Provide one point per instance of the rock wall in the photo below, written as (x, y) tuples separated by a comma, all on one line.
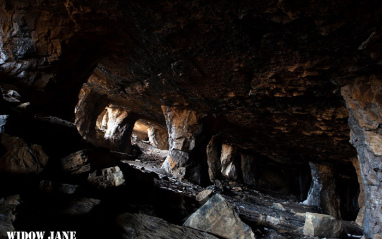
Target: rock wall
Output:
[(364, 101)]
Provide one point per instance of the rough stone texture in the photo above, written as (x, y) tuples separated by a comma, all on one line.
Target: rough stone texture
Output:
[(322, 225), (203, 196), (3, 122), (214, 149), (21, 157), (141, 226), (268, 71), (8, 214), (377, 236), (218, 217), (141, 130), (77, 163), (79, 206), (56, 187), (363, 99), (185, 135), (158, 137), (116, 125), (230, 162), (248, 169), (323, 190), (361, 196), (106, 178)]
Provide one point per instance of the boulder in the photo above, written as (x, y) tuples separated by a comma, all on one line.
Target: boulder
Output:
[(56, 187), (322, 225), (278, 206), (218, 217), (77, 163), (106, 178), (86, 160), (141, 226), (79, 206), (21, 157), (203, 196)]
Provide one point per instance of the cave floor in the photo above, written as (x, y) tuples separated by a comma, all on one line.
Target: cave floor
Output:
[(148, 189), (271, 215)]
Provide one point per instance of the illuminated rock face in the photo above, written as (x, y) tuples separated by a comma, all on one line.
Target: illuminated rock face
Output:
[(363, 99), (265, 76)]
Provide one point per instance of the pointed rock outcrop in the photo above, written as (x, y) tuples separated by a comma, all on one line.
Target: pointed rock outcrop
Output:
[(218, 217)]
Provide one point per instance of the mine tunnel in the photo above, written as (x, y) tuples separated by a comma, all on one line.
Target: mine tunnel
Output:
[(190, 119)]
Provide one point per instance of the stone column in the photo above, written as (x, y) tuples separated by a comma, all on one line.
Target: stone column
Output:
[(364, 101), (248, 169), (322, 192), (185, 130), (119, 127), (214, 148), (230, 162)]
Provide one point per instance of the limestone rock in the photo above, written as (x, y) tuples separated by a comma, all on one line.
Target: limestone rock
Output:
[(218, 217), (278, 206), (86, 160), (230, 163), (106, 178), (80, 206), (21, 157), (323, 190), (203, 196), (158, 137), (56, 187), (141, 226), (3, 122), (322, 225), (364, 104), (185, 136), (361, 196), (77, 163), (377, 236), (115, 124), (8, 214), (248, 169), (213, 157)]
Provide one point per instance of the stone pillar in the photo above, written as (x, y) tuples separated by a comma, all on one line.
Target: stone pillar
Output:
[(120, 125), (185, 130), (364, 102), (322, 192), (214, 148), (230, 162), (248, 169)]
